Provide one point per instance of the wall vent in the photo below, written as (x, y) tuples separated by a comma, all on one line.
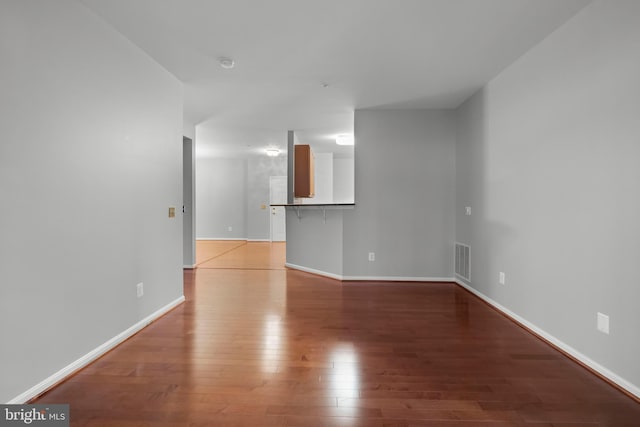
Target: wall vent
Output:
[(463, 261)]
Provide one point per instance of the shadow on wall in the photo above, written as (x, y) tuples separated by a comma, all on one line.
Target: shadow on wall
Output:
[(474, 182)]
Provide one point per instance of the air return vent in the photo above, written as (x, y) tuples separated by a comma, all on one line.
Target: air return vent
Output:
[(462, 260)]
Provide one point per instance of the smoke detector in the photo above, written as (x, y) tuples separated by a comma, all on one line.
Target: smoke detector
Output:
[(226, 62)]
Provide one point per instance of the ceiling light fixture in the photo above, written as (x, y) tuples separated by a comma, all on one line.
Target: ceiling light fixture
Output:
[(272, 152), (225, 62), (344, 139)]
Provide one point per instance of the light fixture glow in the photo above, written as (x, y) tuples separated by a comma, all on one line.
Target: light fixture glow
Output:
[(344, 139), (272, 152)]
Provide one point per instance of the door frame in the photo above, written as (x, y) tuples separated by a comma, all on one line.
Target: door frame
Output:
[(271, 215), (188, 204)]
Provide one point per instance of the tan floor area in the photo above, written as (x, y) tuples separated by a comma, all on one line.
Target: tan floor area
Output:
[(240, 254)]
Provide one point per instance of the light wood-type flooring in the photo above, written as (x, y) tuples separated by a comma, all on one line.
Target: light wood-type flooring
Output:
[(256, 344)]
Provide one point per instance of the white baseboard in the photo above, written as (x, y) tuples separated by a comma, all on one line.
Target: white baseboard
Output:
[(369, 278), (188, 267), (313, 271), (240, 239), (92, 355), (397, 279), (606, 373)]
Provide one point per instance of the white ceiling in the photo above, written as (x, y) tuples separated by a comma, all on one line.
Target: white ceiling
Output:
[(371, 53)]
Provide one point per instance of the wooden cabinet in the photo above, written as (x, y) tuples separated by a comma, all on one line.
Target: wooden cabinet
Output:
[(303, 170)]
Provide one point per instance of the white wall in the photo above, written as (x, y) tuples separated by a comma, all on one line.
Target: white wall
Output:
[(343, 180), (230, 192), (90, 161), (547, 157), (315, 240), (405, 195), (188, 129), (324, 178), (221, 201)]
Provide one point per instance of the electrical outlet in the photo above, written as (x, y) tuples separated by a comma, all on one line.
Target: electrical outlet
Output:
[(467, 210), (372, 256), (603, 323), (140, 289), (501, 278), (229, 228)]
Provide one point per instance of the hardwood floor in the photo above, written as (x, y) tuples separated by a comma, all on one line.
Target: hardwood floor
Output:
[(266, 346)]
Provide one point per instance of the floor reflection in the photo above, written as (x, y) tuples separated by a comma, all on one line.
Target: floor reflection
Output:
[(271, 342), (345, 380), (268, 347)]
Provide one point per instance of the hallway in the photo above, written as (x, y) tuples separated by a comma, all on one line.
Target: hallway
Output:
[(259, 345), (240, 254)]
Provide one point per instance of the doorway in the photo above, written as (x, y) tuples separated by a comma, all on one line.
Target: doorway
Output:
[(278, 196), (188, 196)]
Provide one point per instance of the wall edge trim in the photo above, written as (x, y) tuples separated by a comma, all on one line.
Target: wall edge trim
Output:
[(240, 239), (627, 387), (94, 354), (397, 279), (313, 271)]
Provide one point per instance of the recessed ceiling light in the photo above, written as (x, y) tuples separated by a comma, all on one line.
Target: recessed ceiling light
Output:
[(226, 62), (272, 152), (344, 139)]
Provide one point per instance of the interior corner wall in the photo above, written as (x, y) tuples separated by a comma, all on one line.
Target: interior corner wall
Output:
[(547, 157), (188, 129), (90, 161), (221, 201), (315, 240), (404, 195)]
